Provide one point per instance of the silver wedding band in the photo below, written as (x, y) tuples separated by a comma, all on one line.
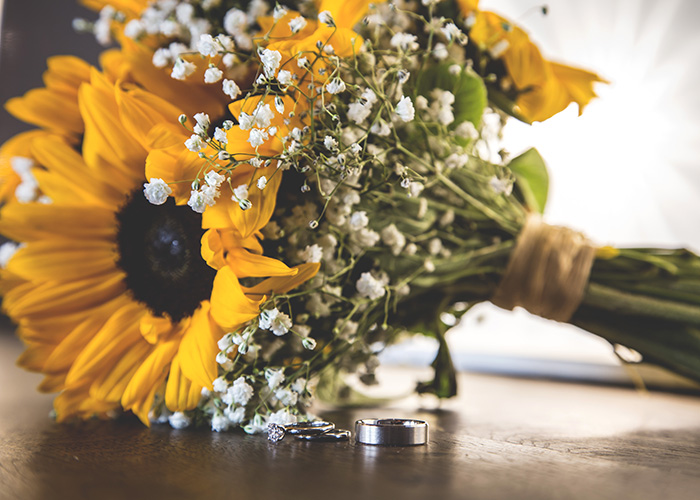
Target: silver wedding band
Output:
[(391, 431), (312, 428)]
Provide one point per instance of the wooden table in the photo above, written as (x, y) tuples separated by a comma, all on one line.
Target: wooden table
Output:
[(502, 438)]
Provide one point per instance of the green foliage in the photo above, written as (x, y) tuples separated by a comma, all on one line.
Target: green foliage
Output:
[(532, 179), (468, 88)]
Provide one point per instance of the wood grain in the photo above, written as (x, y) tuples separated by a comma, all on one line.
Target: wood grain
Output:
[(502, 438)]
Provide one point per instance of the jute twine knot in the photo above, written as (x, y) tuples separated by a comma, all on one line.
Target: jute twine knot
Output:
[(547, 272)]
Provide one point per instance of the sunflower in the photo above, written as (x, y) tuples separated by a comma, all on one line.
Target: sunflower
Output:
[(544, 88), (115, 297)]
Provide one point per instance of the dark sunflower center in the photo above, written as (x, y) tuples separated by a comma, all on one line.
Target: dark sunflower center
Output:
[(159, 250)]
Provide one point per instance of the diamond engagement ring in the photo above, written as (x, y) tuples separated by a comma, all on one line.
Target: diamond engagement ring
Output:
[(391, 431), (276, 432)]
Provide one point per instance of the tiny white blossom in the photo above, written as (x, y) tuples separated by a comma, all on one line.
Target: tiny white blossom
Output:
[(229, 60), (501, 186), (202, 120), (184, 12), (346, 328), (194, 143), (434, 246), (404, 41), (220, 384), (279, 104), (286, 397), (308, 343), (467, 130), (220, 135), (326, 18), (134, 29), (179, 420), (335, 86), (235, 21), (226, 42), (355, 148), (302, 62), (330, 143), (405, 110), (214, 179), (213, 75), (368, 286), (415, 189), (451, 32), (161, 58), (440, 51), (358, 220), (7, 250), (274, 377), (262, 182), (282, 417), (182, 69), (279, 12), (281, 324), (266, 317), (223, 360), (241, 391), (236, 416), (197, 201), (312, 253), (257, 137), (231, 89), (299, 385), (240, 192), (219, 423), (207, 46), (284, 77), (257, 425), (393, 238), (156, 191), (380, 128), (297, 24), (271, 61)]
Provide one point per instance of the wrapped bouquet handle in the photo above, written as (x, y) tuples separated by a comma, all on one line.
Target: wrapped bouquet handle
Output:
[(547, 272)]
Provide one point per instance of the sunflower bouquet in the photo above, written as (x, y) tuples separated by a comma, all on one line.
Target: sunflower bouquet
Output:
[(249, 198)]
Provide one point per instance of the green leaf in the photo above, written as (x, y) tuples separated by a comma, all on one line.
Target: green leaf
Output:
[(468, 88), (531, 179)]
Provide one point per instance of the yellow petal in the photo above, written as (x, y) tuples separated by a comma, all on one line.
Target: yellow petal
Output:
[(181, 394), (77, 402), (45, 108), (140, 111), (138, 395), (283, 284), (63, 260), (65, 74), (30, 222), (246, 264), (110, 386), (198, 349), (229, 305), (103, 351), (106, 143), (50, 299)]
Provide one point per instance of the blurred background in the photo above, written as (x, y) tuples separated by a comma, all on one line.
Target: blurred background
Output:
[(626, 172)]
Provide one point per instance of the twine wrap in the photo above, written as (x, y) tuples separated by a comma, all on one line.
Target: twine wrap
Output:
[(547, 272)]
